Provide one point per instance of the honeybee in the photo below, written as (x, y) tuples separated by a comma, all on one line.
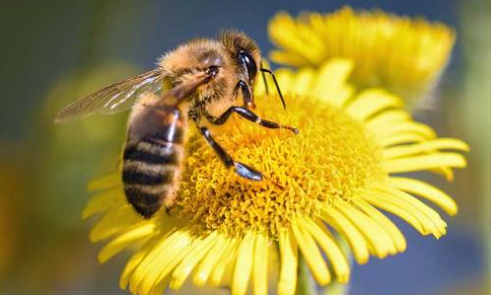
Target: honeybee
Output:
[(200, 80)]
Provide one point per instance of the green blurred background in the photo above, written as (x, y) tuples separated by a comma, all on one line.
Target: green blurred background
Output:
[(53, 52)]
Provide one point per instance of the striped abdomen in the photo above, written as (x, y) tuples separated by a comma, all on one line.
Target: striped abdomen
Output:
[(152, 160)]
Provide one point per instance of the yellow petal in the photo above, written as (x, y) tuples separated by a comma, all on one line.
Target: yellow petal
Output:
[(243, 265), (386, 118), (205, 267), (287, 284), (427, 191), (377, 237), (135, 260), (353, 236), (424, 162), (286, 58), (390, 227), (405, 128), (159, 287), (103, 201), (400, 139), (113, 222), (176, 255), (334, 73), (169, 249), (283, 36), (105, 182), (423, 219), (126, 239), (303, 81), (336, 257), (182, 271), (427, 146), (218, 271), (285, 78), (260, 270), (371, 101), (447, 172), (378, 200), (330, 82), (437, 226), (311, 253)]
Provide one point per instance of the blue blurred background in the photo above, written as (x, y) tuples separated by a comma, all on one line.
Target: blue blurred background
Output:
[(53, 52)]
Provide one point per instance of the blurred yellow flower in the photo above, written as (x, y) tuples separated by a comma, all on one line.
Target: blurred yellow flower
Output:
[(335, 176), (404, 55)]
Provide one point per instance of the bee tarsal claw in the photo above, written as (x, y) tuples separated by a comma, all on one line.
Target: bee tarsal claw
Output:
[(292, 129), (248, 172)]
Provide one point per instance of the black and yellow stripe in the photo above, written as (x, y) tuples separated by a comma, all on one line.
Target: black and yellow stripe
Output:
[(151, 165)]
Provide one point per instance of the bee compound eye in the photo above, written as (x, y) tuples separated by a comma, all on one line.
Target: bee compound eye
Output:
[(246, 59)]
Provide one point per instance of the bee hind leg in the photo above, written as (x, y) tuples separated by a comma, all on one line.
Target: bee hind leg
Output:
[(241, 169)]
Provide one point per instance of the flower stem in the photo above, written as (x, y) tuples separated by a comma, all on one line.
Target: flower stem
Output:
[(306, 285), (335, 289)]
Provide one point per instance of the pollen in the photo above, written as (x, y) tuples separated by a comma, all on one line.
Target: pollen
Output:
[(330, 159)]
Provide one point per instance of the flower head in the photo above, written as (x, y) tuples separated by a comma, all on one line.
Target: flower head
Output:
[(334, 178), (404, 55)]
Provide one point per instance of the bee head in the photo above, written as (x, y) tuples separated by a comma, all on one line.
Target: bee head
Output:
[(195, 58), (244, 52)]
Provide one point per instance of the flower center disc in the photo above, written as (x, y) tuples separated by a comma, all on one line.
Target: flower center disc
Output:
[(331, 158)]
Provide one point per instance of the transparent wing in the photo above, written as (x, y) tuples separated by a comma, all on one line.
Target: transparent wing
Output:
[(113, 99), (148, 121)]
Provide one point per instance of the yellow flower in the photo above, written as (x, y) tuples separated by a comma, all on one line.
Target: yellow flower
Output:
[(334, 178), (403, 55)]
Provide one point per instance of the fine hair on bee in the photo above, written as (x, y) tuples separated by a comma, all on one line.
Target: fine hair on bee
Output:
[(203, 81)]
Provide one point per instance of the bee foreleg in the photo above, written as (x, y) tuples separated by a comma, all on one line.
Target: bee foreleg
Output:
[(251, 116), (246, 94), (241, 169)]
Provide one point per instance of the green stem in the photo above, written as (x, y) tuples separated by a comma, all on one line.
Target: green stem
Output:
[(306, 285), (335, 288)]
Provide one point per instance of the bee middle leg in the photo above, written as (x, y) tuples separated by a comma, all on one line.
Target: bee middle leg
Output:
[(241, 169), (251, 116)]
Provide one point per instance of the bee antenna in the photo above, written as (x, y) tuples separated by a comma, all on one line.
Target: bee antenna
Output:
[(263, 70), (266, 86)]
